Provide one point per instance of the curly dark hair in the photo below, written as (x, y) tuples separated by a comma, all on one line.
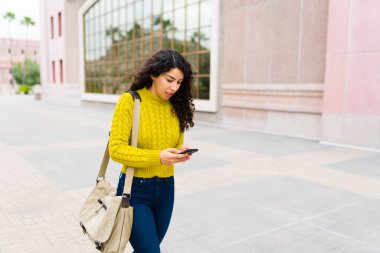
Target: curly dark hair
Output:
[(161, 62)]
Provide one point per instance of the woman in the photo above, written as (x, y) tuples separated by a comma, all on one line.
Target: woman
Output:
[(164, 84)]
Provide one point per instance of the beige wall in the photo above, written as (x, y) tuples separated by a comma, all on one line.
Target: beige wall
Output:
[(273, 65)]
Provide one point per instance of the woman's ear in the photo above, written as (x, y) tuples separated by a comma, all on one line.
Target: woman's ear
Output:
[(153, 77)]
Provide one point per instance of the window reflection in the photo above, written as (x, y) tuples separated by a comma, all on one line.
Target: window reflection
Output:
[(193, 59), (120, 35), (115, 18), (192, 16), (167, 21), (205, 10), (138, 10), (204, 63), (167, 5), (147, 26), (204, 38), (108, 5), (157, 7), (192, 1), (179, 41), (157, 22), (192, 40), (130, 16), (179, 19), (204, 88), (147, 47), (108, 19), (147, 8), (156, 44), (166, 41), (179, 3)]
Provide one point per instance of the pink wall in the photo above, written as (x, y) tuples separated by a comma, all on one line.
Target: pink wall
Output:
[(352, 80)]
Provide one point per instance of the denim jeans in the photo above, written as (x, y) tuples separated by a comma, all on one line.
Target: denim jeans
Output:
[(152, 200)]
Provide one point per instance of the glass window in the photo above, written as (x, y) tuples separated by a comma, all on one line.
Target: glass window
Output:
[(139, 49), (204, 88), (204, 63), (195, 87), (167, 21), (166, 40), (130, 16), (102, 23), (122, 16), (88, 27), (120, 35), (192, 40), (179, 19), (157, 22), (115, 5), (192, 1), (123, 3), (147, 47), (179, 3), (96, 10), (157, 7), (192, 16), (102, 6), (129, 34), (130, 50), (138, 10), (167, 5), (137, 30), (204, 38), (115, 19), (96, 53), (205, 10), (147, 26), (87, 44), (147, 8), (88, 56), (179, 41), (156, 43), (108, 21), (193, 59), (108, 5)]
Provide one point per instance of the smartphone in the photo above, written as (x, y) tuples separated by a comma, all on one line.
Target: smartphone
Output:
[(189, 151)]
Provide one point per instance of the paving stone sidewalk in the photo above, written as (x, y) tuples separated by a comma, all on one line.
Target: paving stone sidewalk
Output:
[(243, 192)]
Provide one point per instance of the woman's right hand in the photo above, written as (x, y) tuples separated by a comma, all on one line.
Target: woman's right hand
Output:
[(170, 156)]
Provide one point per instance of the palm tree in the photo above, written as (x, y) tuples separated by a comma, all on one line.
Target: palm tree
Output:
[(10, 16), (27, 21)]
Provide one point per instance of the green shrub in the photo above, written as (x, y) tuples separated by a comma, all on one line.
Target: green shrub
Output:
[(24, 89)]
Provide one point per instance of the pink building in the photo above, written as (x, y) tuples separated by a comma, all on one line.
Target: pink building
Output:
[(290, 67), (15, 50), (351, 104)]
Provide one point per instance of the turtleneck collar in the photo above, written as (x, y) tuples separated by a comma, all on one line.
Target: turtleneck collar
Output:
[(153, 97)]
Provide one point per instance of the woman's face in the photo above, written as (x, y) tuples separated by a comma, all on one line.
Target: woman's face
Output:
[(166, 84)]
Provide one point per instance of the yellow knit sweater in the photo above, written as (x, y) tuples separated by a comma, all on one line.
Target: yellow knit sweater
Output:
[(159, 129)]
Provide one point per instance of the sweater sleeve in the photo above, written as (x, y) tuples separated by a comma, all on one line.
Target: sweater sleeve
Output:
[(119, 148), (180, 140)]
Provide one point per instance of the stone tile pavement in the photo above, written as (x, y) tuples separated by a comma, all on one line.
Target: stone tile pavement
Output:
[(243, 192)]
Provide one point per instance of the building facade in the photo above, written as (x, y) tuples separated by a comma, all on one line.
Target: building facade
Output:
[(289, 67), (15, 51)]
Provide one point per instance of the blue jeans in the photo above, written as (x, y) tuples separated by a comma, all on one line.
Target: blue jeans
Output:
[(152, 200)]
